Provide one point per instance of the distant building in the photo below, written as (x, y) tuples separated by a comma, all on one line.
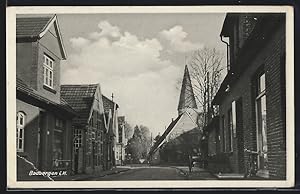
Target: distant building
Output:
[(251, 98), (111, 113), (187, 120), (121, 142), (44, 128), (89, 127)]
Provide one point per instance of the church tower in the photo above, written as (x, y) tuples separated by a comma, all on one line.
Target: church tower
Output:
[(187, 98)]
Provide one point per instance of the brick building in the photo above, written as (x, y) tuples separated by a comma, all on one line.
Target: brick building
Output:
[(89, 127), (251, 98), (43, 116), (111, 113)]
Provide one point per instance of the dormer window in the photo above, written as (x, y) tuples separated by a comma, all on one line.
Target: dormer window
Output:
[(48, 71)]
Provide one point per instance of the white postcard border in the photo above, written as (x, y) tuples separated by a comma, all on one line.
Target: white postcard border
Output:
[(11, 97)]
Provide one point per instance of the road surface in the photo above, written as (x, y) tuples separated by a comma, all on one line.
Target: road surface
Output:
[(145, 173)]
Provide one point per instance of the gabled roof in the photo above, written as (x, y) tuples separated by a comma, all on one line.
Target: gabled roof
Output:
[(165, 134), (80, 98), (187, 97), (33, 28), (108, 104), (24, 91)]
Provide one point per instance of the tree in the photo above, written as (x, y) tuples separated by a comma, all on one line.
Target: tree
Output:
[(139, 144), (206, 69), (146, 140), (128, 130)]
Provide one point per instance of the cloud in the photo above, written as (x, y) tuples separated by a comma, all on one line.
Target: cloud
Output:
[(143, 83), (176, 38), (79, 42), (106, 30)]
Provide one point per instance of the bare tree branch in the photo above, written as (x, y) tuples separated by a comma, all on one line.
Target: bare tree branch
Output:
[(202, 62)]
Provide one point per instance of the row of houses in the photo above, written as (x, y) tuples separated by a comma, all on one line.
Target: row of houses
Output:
[(74, 128), (250, 124)]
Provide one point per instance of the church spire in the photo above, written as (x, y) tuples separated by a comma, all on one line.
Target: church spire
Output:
[(187, 98)]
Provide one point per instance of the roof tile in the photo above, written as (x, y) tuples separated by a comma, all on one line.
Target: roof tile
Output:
[(80, 98), (31, 26), (22, 87)]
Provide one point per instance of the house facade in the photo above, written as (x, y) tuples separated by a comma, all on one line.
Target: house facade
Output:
[(121, 141), (111, 113), (89, 128), (43, 116), (251, 98)]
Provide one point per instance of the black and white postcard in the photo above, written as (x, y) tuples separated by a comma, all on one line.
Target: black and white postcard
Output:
[(150, 97)]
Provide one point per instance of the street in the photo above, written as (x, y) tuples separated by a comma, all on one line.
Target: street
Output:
[(145, 173)]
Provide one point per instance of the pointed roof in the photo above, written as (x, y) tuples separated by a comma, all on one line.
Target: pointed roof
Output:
[(36, 27), (108, 104), (187, 97)]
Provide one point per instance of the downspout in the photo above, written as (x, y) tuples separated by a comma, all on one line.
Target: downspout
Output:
[(227, 52)]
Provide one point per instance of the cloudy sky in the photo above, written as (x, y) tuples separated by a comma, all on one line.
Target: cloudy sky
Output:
[(138, 57)]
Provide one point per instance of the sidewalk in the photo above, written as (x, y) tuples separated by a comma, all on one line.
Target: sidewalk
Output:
[(202, 174), (82, 177), (196, 174)]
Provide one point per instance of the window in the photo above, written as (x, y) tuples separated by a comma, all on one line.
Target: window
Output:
[(77, 138), (117, 156), (20, 131), (230, 131), (48, 71), (261, 124)]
